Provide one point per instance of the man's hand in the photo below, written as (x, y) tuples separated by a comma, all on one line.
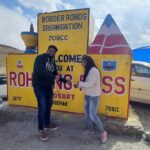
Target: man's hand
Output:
[(68, 81)]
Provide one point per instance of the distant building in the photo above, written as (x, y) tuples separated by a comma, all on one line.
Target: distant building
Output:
[(141, 54)]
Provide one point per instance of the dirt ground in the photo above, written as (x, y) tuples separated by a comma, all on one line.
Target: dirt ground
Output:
[(18, 131)]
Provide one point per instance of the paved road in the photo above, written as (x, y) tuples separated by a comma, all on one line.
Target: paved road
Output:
[(18, 132), (143, 111)]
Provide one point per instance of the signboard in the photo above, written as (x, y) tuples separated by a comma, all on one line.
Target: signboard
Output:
[(19, 83), (20, 91), (69, 31), (111, 45), (114, 84)]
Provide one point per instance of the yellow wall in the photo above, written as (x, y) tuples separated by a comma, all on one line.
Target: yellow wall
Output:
[(113, 102), (74, 38), (67, 98), (19, 76), (115, 85)]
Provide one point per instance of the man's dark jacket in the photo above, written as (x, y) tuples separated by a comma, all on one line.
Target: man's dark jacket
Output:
[(44, 71)]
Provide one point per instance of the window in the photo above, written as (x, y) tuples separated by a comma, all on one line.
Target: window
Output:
[(141, 70)]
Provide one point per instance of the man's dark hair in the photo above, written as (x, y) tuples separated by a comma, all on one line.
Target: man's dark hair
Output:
[(89, 64), (53, 46)]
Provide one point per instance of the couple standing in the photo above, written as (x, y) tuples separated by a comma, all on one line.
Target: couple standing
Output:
[(44, 76)]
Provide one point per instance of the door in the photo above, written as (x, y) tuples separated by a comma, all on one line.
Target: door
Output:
[(140, 83)]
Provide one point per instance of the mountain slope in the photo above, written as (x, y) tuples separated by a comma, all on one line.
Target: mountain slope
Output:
[(4, 50)]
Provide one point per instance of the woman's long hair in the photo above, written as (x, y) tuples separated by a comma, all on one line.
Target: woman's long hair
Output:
[(89, 64)]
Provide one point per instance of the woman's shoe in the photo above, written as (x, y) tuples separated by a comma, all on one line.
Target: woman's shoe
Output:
[(103, 137)]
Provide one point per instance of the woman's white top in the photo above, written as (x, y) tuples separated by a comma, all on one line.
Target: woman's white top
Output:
[(91, 86)]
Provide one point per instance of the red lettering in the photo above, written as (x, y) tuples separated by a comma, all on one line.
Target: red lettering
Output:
[(28, 79), (21, 79), (13, 77), (106, 81), (62, 85), (122, 86), (68, 86), (68, 96), (59, 84), (116, 85), (63, 96)]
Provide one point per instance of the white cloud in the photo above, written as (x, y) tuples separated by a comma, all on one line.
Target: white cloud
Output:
[(45, 5), (68, 6), (42, 5), (131, 16), (18, 9), (14, 22), (11, 27), (145, 37)]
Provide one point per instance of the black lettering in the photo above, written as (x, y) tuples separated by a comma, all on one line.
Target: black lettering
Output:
[(59, 68), (58, 37), (16, 98), (56, 102), (84, 16), (57, 18), (73, 17), (58, 27), (111, 108), (70, 58), (69, 68)]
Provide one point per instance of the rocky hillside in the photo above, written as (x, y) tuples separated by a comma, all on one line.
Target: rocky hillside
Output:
[(4, 50)]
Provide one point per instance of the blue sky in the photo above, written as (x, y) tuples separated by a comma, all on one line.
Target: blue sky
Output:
[(131, 16)]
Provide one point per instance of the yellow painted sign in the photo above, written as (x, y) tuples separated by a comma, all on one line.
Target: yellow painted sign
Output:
[(20, 91), (19, 75), (69, 31), (115, 80), (114, 85)]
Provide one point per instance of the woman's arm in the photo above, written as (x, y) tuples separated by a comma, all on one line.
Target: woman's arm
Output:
[(93, 74)]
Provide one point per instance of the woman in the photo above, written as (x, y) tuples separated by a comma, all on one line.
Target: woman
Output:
[(91, 87)]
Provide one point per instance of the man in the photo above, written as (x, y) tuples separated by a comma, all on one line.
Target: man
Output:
[(43, 79)]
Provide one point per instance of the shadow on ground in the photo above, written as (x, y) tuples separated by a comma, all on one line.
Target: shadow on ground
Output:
[(18, 130)]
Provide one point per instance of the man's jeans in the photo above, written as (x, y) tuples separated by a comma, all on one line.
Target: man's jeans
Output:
[(90, 110), (44, 97)]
